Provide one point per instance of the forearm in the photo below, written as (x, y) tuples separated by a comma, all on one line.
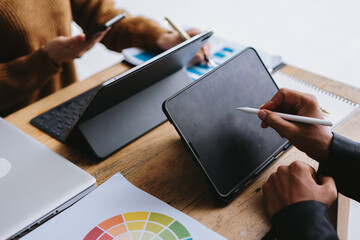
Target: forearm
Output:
[(343, 165), (22, 76), (305, 220), (134, 32), (129, 32)]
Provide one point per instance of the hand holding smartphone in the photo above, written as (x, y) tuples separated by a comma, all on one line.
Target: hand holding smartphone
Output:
[(103, 27)]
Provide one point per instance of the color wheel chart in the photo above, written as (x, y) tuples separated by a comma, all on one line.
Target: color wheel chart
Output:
[(139, 226)]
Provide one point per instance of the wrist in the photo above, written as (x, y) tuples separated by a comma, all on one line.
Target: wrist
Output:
[(51, 59), (165, 40), (324, 146), (47, 49)]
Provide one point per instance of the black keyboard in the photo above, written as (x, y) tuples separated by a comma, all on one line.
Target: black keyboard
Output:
[(57, 122)]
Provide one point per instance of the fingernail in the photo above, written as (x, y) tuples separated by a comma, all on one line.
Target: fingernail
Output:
[(262, 115)]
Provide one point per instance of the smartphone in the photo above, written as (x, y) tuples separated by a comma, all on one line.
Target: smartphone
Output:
[(103, 27)]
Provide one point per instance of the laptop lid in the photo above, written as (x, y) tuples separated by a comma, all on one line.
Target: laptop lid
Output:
[(129, 105), (35, 182), (230, 146)]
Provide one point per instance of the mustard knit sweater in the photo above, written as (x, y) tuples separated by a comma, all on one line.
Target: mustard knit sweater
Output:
[(26, 72)]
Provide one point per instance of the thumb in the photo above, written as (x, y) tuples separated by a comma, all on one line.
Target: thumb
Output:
[(329, 186), (73, 42), (192, 32), (327, 181), (273, 120)]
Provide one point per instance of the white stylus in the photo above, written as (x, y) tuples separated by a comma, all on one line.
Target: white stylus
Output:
[(291, 117)]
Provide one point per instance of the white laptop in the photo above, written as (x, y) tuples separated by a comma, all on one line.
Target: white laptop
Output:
[(35, 182)]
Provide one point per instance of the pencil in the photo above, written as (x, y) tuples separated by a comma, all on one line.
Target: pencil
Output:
[(324, 111), (186, 36), (290, 117)]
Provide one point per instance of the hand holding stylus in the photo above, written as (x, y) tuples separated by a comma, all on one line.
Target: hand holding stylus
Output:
[(291, 117), (313, 139), (185, 36)]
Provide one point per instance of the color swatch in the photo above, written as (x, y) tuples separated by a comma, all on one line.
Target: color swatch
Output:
[(139, 226)]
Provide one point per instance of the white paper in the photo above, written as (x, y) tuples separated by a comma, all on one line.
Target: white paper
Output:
[(137, 56), (339, 108), (115, 197), (220, 51)]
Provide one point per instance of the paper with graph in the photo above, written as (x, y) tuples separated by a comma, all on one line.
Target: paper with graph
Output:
[(119, 210), (221, 50)]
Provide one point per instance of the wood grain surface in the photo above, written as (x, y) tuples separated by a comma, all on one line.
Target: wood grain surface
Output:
[(159, 164)]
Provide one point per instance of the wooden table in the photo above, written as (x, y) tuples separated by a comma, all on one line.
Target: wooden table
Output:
[(159, 164)]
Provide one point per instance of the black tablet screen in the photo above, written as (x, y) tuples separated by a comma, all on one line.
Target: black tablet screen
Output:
[(230, 145)]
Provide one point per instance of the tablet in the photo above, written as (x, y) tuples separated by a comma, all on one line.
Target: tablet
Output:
[(125, 107), (229, 145)]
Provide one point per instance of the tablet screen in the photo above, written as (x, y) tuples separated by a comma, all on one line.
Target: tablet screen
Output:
[(229, 144)]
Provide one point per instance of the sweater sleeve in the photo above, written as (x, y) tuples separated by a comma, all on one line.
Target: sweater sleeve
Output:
[(21, 77), (343, 165), (129, 32), (307, 220)]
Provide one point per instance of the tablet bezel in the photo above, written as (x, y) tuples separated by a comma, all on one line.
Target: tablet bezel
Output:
[(255, 173)]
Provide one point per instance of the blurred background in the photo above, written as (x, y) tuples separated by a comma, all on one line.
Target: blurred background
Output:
[(321, 36)]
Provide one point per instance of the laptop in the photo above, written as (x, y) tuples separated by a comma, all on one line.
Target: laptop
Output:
[(35, 182), (125, 107), (230, 146)]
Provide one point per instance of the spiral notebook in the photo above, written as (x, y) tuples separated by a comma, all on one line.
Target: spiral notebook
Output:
[(339, 109)]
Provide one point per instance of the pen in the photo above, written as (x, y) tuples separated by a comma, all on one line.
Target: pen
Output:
[(324, 111), (291, 117), (186, 36)]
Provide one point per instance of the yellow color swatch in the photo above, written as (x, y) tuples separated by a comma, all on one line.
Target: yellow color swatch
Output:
[(133, 226), (136, 216)]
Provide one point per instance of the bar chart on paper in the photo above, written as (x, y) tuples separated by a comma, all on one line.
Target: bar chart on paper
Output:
[(221, 51), (220, 56), (137, 56), (139, 225)]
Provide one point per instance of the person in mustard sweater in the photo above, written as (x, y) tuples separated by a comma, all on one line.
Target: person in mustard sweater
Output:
[(37, 50)]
